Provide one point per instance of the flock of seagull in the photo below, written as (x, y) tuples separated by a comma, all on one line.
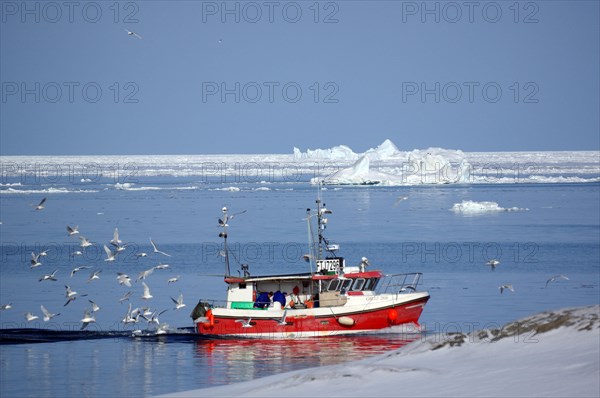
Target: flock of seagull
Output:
[(117, 246), (494, 263)]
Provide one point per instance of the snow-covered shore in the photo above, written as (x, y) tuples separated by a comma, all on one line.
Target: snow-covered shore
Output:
[(553, 354)]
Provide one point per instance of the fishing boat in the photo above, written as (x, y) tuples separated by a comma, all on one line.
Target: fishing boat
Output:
[(334, 298)]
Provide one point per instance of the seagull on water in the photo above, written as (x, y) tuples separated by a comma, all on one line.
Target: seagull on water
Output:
[(30, 317), (245, 322), (509, 287), (155, 249), (146, 295), (6, 306), (124, 279), (47, 314), (40, 206), (493, 263), (50, 277), (179, 302), (94, 275), (162, 266), (131, 33), (142, 254), (554, 278), (72, 230), (173, 279), (95, 307), (87, 319), (76, 253), (77, 269), (110, 256)]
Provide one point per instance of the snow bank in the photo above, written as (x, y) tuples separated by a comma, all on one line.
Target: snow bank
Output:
[(550, 354), (472, 207)]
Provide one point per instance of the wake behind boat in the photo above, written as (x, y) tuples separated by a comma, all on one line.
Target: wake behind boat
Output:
[(333, 299)]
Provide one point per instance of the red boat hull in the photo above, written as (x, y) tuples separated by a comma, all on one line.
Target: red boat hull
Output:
[(300, 323)]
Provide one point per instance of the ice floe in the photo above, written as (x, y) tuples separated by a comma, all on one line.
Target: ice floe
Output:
[(472, 207)]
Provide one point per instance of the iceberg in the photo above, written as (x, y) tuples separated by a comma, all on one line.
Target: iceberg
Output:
[(429, 166)]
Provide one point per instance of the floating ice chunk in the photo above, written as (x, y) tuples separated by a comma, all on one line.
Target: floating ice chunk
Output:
[(123, 186), (472, 207), (230, 189)]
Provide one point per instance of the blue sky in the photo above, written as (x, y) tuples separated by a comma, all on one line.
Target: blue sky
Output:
[(263, 77)]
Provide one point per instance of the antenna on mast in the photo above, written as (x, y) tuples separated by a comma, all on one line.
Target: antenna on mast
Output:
[(223, 234)]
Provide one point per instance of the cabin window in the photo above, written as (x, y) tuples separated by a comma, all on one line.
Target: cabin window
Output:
[(358, 284), (371, 284), (334, 285), (242, 285), (346, 285)]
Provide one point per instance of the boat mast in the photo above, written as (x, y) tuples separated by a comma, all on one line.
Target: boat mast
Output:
[(223, 234)]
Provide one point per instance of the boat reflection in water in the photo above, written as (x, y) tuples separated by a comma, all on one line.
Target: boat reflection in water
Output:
[(233, 360)]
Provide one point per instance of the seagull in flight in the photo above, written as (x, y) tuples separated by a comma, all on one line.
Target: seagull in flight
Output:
[(47, 314), (6, 306), (509, 287), (94, 275), (124, 279), (95, 307), (87, 319), (173, 279), (125, 298), (84, 241), (72, 230), (35, 260), (110, 256), (30, 317), (179, 302), (245, 322), (146, 295), (493, 263), (142, 254), (131, 33), (162, 266), (282, 321), (50, 277), (115, 240), (154, 317), (40, 206), (71, 295), (155, 249), (77, 269), (76, 253), (144, 274), (226, 217), (554, 278)]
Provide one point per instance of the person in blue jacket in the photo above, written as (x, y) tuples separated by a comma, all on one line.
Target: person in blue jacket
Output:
[(279, 297), (262, 301)]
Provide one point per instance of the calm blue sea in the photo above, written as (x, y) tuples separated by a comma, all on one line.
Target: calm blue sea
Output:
[(559, 233)]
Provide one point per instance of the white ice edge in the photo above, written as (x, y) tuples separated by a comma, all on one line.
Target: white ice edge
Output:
[(562, 362)]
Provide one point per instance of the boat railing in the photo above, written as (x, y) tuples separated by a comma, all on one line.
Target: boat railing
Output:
[(399, 283)]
